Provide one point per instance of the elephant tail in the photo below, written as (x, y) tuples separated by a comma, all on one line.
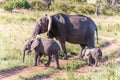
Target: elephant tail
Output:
[(97, 35), (93, 25), (23, 55)]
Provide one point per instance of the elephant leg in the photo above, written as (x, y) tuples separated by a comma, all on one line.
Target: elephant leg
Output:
[(89, 60), (39, 60), (62, 43), (82, 48), (48, 62), (96, 62), (56, 59), (35, 59)]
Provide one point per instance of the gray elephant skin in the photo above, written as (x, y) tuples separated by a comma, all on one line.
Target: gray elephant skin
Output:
[(76, 29), (92, 53), (42, 46)]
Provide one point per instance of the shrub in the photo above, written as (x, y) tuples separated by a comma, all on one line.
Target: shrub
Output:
[(109, 10), (38, 5), (21, 4), (78, 0), (8, 6), (60, 6), (85, 9)]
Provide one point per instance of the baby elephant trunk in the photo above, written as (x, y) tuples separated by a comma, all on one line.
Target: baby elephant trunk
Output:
[(23, 55)]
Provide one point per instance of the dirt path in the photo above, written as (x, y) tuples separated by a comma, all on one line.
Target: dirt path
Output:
[(10, 75)]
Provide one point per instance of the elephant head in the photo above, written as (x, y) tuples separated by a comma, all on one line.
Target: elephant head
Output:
[(42, 25), (31, 44), (46, 24)]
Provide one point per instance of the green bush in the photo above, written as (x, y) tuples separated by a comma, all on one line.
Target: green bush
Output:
[(59, 6), (109, 10), (21, 4), (85, 9), (38, 5), (8, 6), (78, 0)]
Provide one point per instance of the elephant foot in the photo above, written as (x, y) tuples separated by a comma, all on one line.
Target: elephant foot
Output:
[(65, 58), (46, 65), (96, 65), (35, 65), (88, 64), (40, 61), (57, 68)]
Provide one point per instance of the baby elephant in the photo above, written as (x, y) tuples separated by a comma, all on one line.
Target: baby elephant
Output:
[(43, 46), (93, 54)]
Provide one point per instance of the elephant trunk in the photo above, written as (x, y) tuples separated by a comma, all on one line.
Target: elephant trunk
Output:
[(23, 55), (34, 33)]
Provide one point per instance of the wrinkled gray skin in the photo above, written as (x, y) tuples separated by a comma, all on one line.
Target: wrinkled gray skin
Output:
[(92, 53), (76, 29), (43, 46)]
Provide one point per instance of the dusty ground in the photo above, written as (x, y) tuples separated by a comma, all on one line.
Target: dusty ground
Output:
[(11, 74)]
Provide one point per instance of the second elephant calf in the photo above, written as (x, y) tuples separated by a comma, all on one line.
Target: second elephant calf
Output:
[(93, 54)]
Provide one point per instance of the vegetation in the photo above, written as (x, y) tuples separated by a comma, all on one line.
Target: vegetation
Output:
[(72, 65), (17, 26), (108, 72), (66, 6)]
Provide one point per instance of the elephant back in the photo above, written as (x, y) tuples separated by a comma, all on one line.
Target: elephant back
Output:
[(49, 44)]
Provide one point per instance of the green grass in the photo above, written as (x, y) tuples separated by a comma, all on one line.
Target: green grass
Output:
[(106, 72), (72, 65), (12, 42)]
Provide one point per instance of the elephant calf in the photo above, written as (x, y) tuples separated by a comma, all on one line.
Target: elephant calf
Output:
[(93, 54), (43, 46)]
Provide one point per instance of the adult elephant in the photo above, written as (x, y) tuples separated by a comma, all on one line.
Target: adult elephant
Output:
[(76, 29)]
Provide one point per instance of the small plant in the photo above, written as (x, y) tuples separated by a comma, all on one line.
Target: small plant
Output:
[(73, 64), (8, 6), (21, 4)]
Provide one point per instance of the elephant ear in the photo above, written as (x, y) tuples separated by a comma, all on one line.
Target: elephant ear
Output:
[(50, 23), (87, 52), (83, 52), (35, 43), (53, 28)]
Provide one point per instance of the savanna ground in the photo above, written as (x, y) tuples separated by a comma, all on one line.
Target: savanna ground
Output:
[(16, 27)]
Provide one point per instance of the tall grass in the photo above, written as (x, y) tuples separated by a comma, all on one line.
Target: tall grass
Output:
[(12, 41)]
